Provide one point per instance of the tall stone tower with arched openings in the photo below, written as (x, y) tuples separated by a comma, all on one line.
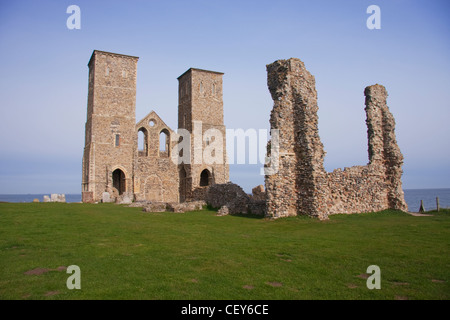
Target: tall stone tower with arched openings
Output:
[(123, 158), (110, 125), (200, 112)]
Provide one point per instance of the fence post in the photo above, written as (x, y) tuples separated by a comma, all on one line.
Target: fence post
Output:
[(421, 209), (437, 203)]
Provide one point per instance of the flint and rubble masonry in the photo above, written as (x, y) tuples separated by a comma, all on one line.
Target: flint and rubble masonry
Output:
[(301, 185)]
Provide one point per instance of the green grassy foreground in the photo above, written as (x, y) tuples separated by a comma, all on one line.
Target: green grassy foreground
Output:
[(124, 253)]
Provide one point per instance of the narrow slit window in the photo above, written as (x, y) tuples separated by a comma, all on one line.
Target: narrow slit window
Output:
[(117, 140)]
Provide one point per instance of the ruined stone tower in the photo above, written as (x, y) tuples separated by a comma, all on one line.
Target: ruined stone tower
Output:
[(301, 185), (124, 160), (200, 112), (110, 125)]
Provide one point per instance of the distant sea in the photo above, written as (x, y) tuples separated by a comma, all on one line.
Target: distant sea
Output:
[(412, 198), (30, 197)]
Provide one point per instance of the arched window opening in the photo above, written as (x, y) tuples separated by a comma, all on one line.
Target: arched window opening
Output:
[(164, 139), (142, 142), (205, 178)]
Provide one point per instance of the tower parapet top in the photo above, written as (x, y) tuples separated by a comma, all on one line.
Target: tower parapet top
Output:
[(111, 54)]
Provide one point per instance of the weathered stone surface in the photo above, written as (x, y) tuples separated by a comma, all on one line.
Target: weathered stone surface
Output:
[(257, 207), (186, 206), (125, 198), (387, 156), (223, 211), (87, 197), (106, 197), (54, 197), (155, 207), (61, 198), (230, 195), (139, 204), (174, 206), (258, 193), (301, 185)]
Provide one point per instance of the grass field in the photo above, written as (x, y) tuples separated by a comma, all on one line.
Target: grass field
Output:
[(124, 253)]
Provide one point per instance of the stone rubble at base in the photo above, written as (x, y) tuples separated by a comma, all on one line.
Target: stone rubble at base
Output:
[(54, 197)]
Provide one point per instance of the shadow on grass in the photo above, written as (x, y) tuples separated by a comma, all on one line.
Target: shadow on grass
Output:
[(210, 208), (247, 215)]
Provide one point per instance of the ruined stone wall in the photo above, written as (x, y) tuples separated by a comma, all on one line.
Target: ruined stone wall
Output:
[(258, 193), (230, 195), (295, 188), (156, 177), (384, 152), (230, 198), (301, 185), (355, 189), (378, 185)]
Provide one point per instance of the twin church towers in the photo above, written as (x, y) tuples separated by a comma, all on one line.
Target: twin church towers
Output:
[(125, 158)]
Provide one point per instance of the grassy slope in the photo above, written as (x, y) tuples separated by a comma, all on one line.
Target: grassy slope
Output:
[(124, 253)]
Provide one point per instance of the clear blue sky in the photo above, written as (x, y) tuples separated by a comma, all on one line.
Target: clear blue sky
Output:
[(43, 89)]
